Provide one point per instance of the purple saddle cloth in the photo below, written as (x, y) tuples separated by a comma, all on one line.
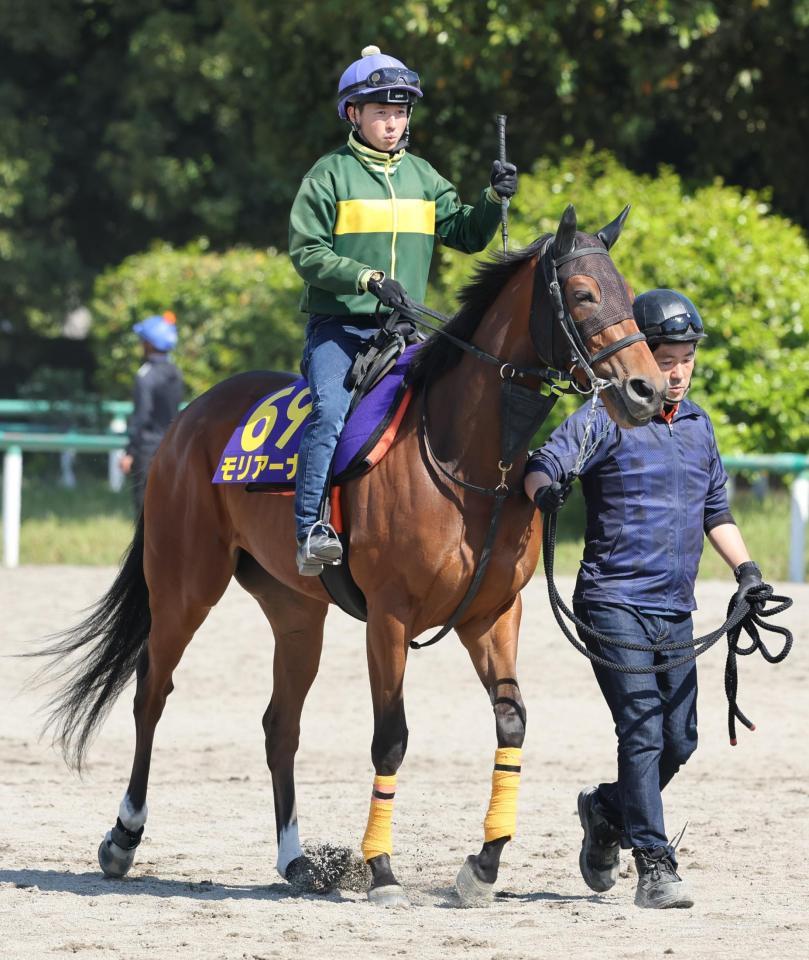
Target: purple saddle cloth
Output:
[(264, 448)]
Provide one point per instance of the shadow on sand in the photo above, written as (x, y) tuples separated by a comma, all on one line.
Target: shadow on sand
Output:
[(95, 885), (448, 898)]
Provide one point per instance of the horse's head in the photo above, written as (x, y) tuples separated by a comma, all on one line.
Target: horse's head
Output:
[(592, 332)]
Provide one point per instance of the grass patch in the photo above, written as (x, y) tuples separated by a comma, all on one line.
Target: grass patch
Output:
[(87, 526), (91, 525)]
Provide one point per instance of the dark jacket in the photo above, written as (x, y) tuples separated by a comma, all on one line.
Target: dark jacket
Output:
[(651, 495), (157, 396)]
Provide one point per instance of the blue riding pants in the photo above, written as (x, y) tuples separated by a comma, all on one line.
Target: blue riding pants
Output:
[(655, 715), (329, 350)]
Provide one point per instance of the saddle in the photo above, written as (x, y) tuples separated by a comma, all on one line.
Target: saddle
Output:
[(380, 354), (262, 452)]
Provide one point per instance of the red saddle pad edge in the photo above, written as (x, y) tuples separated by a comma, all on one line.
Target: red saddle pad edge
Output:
[(372, 459)]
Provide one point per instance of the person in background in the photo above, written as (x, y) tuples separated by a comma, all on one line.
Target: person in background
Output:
[(361, 234), (157, 395), (652, 496)]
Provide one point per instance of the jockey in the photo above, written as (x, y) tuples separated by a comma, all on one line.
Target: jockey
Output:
[(651, 493), (361, 233)]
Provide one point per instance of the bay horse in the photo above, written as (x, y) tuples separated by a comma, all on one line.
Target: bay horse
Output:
[(417, 523)]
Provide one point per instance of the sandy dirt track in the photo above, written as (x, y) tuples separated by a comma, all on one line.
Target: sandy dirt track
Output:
[(204, 883)]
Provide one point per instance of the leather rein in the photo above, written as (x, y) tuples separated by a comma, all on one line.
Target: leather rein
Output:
[(582, 359)]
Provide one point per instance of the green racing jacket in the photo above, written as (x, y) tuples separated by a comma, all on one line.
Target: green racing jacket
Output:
[(359, 210)]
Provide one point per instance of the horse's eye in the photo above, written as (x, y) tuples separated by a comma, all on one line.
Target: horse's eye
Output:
[(584, 296)]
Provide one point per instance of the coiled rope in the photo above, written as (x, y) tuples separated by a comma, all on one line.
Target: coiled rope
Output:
[(748, 616)]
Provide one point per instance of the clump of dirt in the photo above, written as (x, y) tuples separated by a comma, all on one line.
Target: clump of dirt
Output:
[(325, 867)]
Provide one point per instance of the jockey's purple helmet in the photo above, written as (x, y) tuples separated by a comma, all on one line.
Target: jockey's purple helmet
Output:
[(377, 78)]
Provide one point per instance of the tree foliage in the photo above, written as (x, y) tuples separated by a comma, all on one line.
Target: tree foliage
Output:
[(126, 122), (235, 311)]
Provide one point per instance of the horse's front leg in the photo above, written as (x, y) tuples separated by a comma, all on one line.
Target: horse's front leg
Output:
[(492, 645), (387, 644)]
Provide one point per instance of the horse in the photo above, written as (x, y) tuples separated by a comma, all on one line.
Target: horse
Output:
[(418, 524)]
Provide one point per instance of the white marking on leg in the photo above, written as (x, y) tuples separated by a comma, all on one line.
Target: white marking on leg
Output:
[(289, 847), (131, 818)]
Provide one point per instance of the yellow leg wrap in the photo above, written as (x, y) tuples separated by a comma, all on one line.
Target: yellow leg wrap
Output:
[(501, 817), (378, 837)]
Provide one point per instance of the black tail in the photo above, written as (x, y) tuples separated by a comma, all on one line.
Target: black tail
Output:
[(110, 640)]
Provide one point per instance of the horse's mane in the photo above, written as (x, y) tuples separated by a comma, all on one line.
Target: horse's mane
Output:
[(439, 355)]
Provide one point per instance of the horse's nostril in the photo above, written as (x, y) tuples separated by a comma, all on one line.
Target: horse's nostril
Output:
[(641, 389)]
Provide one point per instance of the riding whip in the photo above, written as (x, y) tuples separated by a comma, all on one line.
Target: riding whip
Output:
[(500, 120)]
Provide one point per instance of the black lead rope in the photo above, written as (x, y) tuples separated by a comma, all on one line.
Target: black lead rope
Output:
[(750, 625), (746, 616)]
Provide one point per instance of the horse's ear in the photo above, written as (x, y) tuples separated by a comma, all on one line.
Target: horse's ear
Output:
[(609, 234), (566, 234)]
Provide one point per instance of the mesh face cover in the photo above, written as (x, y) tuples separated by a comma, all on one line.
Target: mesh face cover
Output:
[(614, 306)]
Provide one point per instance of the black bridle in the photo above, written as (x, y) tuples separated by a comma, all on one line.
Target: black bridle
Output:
[(547, 277), (547, 270)]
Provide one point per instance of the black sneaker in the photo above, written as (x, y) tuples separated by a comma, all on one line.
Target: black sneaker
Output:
[(318, 547), (659, 884), (600, 857)]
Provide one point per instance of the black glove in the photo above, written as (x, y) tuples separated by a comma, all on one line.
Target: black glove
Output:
[(550, 498), (751, 585), (389, 292), (504, 179)]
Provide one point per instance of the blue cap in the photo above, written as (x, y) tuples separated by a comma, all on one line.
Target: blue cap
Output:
[(159, 331)]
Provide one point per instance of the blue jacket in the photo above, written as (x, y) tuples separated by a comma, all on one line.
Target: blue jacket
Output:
[(651, 494)]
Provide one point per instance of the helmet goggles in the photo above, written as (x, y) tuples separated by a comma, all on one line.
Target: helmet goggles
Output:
[(683, 326), (384, 78)]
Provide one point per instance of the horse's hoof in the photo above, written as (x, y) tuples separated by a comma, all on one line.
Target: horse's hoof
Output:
[(114, 861), (391, 895), (472, 891)]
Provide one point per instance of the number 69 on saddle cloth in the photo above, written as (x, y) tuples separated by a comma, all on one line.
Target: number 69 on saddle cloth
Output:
[(262, 452)]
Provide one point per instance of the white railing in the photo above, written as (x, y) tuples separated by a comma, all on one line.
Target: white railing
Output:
[(14, 443)]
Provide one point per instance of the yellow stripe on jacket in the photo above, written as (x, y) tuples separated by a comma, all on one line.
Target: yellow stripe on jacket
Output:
[(376, 216)]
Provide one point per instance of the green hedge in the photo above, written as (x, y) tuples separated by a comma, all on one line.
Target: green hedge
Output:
[(235, 311), (744, 268)]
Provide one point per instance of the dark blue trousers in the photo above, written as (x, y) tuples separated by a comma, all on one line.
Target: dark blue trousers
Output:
[(655, 716), (331, 345)]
